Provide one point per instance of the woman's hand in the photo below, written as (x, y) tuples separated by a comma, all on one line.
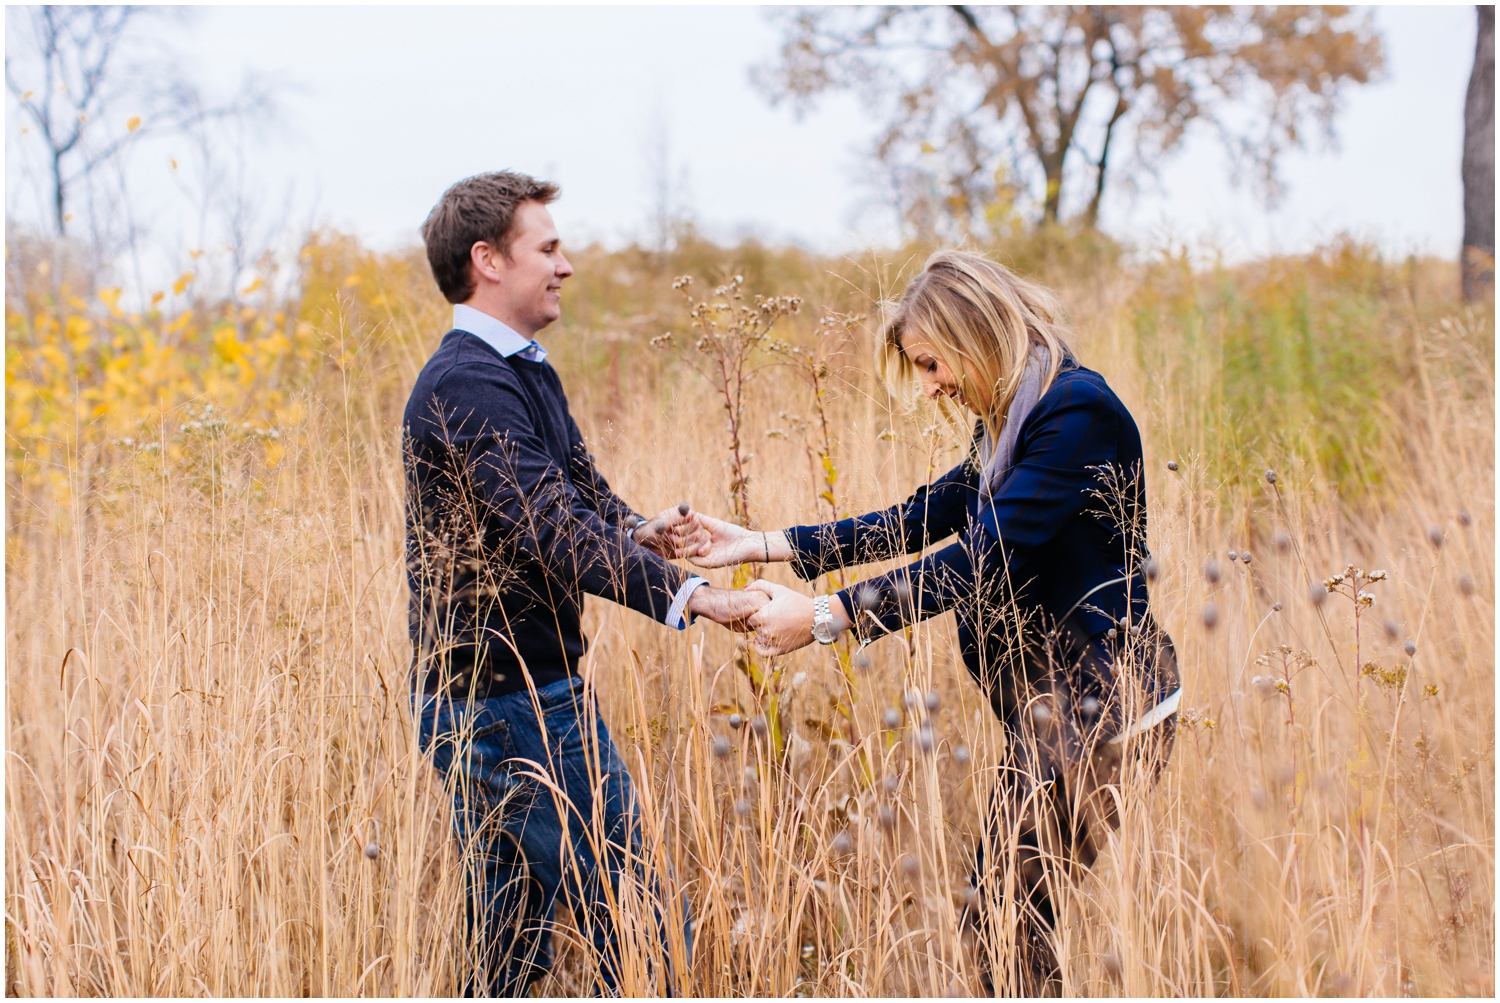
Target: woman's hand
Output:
[(716, 544), (785, 623)]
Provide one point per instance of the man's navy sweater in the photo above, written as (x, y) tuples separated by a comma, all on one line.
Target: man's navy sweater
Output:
[(508, 524)]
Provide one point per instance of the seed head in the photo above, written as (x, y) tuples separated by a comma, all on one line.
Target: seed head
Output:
[(1090, 706), (909, 699), (741, 807), (736, 722), (909, 866), (892, 717), (683, 508), (1281, 541), (889, 783), (759, 726), (1152, 569), (970, 895), (1265, 686), (1211, 571), (961, 755), (841, 846), (1390, 627), (1410, 647), (861, 661), (1111, 966), (1210, 615), (866, 597), (1466, 584), (1172, 465), (631, 522), (1270, 477), (925, 737), (1112, 633), (1276, 607), (1041, 713), (903, 590), (1258, 797), (885, 817), (1245, 556), (372, 851), (1234, 555), (933, 701), (1464, 518), (721, 746), (1317, 593), (1435, 536)]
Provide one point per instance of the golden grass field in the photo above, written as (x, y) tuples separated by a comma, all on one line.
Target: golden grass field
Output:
[(212, 782)]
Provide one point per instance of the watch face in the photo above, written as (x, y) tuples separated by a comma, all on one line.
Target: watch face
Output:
[(823, 632)]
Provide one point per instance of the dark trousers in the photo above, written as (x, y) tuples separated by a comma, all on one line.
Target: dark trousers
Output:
[(524, 854), (1056, 798)]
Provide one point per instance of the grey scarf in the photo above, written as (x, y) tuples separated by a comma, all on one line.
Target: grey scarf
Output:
[(997, 454)]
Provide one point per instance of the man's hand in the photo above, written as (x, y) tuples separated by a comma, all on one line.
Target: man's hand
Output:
[(714, 543), (732, 608), (670, 534), (785, 623)]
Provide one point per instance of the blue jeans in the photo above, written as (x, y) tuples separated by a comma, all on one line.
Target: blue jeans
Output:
[(491, 752)]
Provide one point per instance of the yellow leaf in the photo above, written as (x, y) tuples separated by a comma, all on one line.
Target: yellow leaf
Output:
[(828, 497), (27, 95), (132, 123), (173, 162), (352, 280), (157, 298), (110, 298), (251, 287), (182, 282)]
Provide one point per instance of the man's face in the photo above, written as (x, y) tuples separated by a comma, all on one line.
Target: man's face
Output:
[(531, 276)]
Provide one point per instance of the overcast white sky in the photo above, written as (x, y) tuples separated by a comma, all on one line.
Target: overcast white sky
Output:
[(392, 104)]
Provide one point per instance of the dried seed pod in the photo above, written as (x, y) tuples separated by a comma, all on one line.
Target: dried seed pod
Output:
[(759, 726), (861, 661), (372, 851), (1270, 477), (842, 845), (1464, 518), (961, 755), (1466, 584), (892, 717), (741, 807), (1211, 571), (1410, 647), (1390, 627), (1276, 607), (1245, 556), (1234, 555), (926, 739), (1281, 541), (1435, 536), (1152, 569), (1090, 706), (631, 522), (1041, 713), (890, 783), (1210, 615), (1172, 465), (722, 747), (683, 508), (885, 817), (1265, 686), (933, 701), (736, 722), (909, 866), (1111, 966), (1317, 594)]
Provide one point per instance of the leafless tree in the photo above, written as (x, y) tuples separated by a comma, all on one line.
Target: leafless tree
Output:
[(1478, 264), (1055, 89), (81, 82)]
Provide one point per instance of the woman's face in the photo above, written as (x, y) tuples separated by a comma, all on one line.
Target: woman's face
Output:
[(937, 379)]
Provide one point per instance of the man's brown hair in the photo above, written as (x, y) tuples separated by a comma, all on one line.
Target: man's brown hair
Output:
[(479, 208)]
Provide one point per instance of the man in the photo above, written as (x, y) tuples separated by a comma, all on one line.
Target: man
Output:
[(509, 524)]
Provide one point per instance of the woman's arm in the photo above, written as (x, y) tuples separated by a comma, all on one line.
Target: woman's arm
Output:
[(933, 511)]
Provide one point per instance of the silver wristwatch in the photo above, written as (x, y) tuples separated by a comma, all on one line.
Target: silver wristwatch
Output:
[(822, 630)]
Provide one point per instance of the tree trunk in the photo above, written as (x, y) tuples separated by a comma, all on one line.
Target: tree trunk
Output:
[(1477, 264), (1050, 207)]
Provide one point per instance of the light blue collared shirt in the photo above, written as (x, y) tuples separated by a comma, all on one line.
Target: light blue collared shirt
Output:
[(497, 334), (505, 340)]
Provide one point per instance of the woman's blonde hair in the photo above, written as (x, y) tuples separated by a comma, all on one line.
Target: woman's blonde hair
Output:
[(981, 320)]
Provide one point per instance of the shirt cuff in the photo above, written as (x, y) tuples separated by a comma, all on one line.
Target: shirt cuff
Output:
[(677, 613)]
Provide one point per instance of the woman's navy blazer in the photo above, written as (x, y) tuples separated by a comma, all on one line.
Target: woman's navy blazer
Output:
[(1069, 517)]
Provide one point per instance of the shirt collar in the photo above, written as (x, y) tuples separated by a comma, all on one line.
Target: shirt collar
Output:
[(496, 334)]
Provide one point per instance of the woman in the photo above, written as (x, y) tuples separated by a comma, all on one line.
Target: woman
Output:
[(1047, 572)]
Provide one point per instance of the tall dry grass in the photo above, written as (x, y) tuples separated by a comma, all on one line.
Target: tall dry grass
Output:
[(213, 785)]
